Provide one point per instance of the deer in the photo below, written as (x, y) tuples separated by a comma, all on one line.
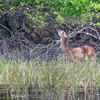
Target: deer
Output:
[(83, 52)]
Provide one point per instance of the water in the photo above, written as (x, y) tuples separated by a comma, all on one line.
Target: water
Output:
[(33, 93)]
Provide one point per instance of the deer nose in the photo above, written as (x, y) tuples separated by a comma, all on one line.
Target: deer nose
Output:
[(57, 30)]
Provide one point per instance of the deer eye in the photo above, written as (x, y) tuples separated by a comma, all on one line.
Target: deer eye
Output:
[(62, 32)]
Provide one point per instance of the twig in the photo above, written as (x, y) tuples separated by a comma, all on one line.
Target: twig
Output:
[(7, 29)]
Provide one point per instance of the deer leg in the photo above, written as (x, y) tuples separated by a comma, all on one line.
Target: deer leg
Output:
[(92, 58), (67, 56)]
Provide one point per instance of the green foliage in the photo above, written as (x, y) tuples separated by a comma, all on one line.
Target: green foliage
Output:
[(98, 24), (40, 10), (1, 7)]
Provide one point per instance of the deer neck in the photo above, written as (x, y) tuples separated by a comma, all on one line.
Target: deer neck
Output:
[(63, 45)]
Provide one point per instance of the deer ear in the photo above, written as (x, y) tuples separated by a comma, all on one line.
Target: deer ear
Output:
[(68, 36)]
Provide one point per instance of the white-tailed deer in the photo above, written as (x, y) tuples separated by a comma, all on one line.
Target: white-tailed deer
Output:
[(76, 53)]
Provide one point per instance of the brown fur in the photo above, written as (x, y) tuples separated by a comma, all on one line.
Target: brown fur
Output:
[(76, 53)]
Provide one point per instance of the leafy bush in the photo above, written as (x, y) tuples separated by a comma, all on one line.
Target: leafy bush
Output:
[(61, 8)]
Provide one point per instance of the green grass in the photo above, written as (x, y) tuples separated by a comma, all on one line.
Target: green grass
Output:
[(55, 76)]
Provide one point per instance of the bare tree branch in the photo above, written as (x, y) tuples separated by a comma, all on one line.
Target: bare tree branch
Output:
[(7, 29)]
